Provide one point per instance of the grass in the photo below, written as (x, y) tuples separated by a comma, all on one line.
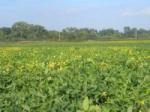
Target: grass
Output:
[(130, 43)]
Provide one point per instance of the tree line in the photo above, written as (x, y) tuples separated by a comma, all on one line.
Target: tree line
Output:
[(22, 31)]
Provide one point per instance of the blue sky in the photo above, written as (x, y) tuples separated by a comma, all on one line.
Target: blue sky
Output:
[(58, 14)]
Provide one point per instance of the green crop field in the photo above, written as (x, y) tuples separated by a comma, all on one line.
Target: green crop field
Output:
[(75, 77)]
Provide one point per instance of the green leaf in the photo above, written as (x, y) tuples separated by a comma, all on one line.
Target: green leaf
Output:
[(105, 109), (26, 107), (86, 104), (95, 108), (130, 109)]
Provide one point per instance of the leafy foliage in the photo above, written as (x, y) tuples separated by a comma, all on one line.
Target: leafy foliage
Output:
[(75, 78), (22, 31)]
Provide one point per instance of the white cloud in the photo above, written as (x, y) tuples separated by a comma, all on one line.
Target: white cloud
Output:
[(142, 12)]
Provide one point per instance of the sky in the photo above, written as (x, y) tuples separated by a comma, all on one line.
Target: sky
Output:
[(59, 14)]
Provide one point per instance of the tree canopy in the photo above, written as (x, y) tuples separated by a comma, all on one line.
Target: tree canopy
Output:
[(22, 31)]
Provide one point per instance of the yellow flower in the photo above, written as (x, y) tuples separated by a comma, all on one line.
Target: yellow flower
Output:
[(51, 65)]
